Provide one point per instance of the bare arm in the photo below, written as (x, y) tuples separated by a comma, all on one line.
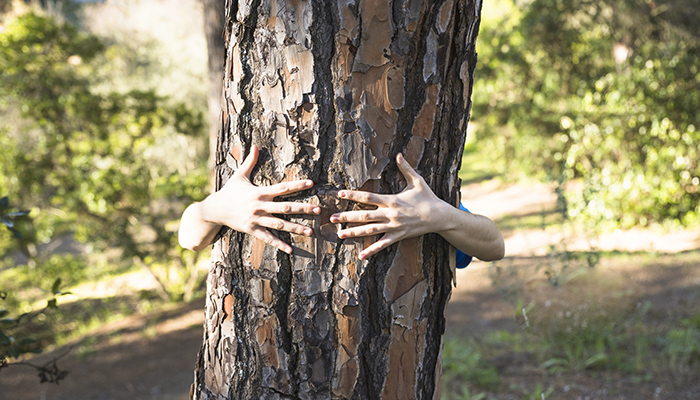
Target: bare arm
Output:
[(417, 211), (244, 207)]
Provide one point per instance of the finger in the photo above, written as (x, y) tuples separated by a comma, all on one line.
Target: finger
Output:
[(379, 245), (272, 207), (286, 226), (249, 163), (267, 237), (363, 230), (363, 197), (286, 188), (408, 172), (378, 215)]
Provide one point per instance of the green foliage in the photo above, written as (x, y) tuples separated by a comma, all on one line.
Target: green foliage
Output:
[(113, 169), (601, 97), (8, 217), (682, 346), (462, 363), (19, 233), (16, 341)]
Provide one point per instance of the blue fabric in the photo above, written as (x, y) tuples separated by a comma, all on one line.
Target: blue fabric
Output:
[(462, 259)]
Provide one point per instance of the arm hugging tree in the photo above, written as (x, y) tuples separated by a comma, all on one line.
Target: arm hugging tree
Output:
[(332, 92)]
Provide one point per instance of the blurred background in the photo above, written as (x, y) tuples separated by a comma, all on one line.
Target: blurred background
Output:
[(583, 147)]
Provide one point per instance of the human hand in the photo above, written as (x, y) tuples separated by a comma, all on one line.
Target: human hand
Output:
[(242, 206), (413, 212)]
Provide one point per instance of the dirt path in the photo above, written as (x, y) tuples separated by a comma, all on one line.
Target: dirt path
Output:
[(151, 357), (138, 358)]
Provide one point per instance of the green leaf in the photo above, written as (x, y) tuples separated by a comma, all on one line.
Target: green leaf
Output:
[(8, 222), (598, 358), (553, 362), (8, 322), (56, 285), (52, 304), (17, 234)]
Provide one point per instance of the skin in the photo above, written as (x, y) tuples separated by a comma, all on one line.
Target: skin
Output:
[(244, 207), (415, 211)]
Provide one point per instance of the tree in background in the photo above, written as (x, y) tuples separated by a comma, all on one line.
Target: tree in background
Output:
[(331, 91), (97, 164), (214, 18), (601, 97)]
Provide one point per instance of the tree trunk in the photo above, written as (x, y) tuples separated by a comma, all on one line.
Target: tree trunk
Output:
[(214, 18), (331, 91)]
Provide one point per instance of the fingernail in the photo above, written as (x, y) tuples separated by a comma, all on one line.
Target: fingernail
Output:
[(309, 183), (316, 210), (334, 218), (308, 232), (342, 235), (342, 194), (362, 256)]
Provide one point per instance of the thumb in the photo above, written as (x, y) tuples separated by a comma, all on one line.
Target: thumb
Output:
[(249, 163), (408, 172)]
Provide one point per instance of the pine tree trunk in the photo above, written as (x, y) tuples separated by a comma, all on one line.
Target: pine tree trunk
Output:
[(331, 91)]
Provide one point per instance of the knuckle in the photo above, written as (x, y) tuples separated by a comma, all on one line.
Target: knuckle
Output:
[(286, 209), (258, 208), (250, 224), (277, 224)]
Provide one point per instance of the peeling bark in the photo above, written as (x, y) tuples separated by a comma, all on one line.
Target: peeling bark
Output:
[(331, 91)]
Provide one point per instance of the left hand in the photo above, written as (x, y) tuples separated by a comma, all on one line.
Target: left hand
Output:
[(413, 212)]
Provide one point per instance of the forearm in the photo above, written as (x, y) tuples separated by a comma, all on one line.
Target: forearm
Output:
[(196, 232), (473, 234)]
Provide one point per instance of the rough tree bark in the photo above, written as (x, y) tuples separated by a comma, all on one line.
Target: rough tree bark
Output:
[(331, 91)]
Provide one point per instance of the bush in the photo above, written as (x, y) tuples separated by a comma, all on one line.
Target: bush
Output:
[(113, 169), (601, 97)]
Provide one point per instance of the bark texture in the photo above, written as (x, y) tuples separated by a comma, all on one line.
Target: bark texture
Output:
[(331, 91)]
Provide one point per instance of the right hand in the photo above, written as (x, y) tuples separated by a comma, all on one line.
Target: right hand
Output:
[(242, 206)]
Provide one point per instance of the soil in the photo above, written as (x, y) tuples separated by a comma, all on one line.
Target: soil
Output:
[(152, 356)]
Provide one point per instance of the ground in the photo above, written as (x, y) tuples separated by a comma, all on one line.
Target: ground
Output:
[(152, 355)]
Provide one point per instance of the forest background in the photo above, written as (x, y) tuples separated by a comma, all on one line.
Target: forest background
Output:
[(103, 140)]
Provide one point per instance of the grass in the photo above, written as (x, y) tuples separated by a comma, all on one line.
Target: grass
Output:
[(609, 322), (588, 315), (475, 167)]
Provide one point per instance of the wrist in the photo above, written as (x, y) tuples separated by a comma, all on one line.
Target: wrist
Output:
[(206, 210), (449, 218)]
